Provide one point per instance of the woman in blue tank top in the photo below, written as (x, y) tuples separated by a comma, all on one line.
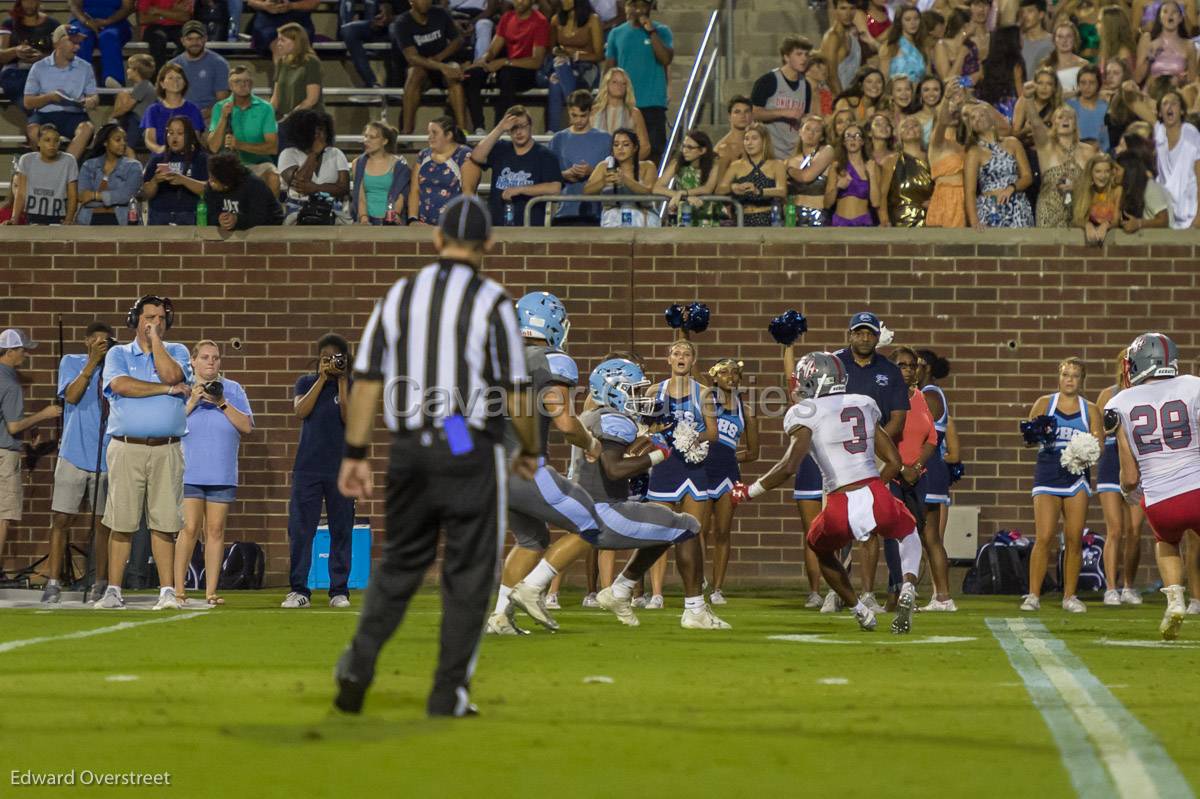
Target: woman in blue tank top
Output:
[(723, 464), (930, 369), (1057, 493), (1122, 520), (808, 493), (681, 485)]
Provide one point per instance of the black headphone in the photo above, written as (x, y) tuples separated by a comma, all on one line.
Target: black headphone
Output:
[(131, 320)]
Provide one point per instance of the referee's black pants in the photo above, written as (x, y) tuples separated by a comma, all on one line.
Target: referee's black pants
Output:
[(428, 490)]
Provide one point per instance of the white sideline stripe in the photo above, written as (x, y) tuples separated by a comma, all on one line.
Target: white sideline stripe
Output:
[(9, 646), (1077, 707)]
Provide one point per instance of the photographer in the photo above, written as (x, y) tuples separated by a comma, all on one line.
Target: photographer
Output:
[(218, 416), (321, 400)]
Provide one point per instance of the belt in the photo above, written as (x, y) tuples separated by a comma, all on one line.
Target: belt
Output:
[(147, 442)]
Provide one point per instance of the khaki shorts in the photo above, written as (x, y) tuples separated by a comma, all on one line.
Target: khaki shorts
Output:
[(73, 488), (140, 476), (12, 489)]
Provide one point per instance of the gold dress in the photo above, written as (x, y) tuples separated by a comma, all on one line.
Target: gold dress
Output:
[(909, 194), (1052, 209)]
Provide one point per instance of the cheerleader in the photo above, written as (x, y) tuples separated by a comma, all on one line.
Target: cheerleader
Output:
[(675, 482), (722, 464), (1122, 520), (808, 494), (930, 369), (1056, 491)]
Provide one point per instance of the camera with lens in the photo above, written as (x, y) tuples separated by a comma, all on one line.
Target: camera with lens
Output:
[(338, 360), (215, 389), (111, 342)]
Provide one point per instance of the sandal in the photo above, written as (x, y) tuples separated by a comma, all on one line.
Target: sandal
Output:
[(181, 599), (215, 600)]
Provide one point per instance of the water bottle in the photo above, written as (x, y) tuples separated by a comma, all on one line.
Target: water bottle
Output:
[(626, 217), (390, 217), (510, 215), (201, 213), (789, 214), (776, 215), (685, 214), (133, 212)]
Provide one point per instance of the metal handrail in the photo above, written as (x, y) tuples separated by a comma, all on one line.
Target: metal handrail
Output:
[(687, 90), (625, 198), (708, 71)]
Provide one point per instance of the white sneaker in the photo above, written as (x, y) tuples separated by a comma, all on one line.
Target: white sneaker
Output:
[(905, 606), (1174, 614), (295, 599), (166, 600), (716, 598), (1193, 608), (501, 624), (1130, 597), (339, 601), (832, 603), (865, 618), (814, 600), (1072, 604), (1112, 597), (589, 601), (940, 606), (637, 602), (655, 602), (552, 602), (112, 600), (702, 619), (1031, 602), (621, 608), (532, 601), (869, 600)]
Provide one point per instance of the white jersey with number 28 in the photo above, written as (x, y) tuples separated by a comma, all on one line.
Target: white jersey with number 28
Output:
[(843, 436), (1159, 421)]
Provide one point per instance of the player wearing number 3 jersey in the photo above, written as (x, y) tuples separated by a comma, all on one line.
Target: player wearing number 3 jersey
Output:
[(844, 435), (1159, 446)]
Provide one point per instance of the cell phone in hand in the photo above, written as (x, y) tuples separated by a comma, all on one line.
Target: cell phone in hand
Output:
[(162, 169)]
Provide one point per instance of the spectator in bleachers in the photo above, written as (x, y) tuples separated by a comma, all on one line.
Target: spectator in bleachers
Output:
[(898, 99), (880, 134), (1097, 207), (221, 20), (1046, 96), (905, 50), (616, 108), (523, 36), (817, 75), (995, 174), (1117, 42), (109, 181), (246, 124), (782, 96), (757, 179), (313, 165), (577, 45), (1177, 144), (947, 208), (46, 193), (1036, 42), (236, 198), (863, 95), (431, 44), (853, 178), (732, 145), (579, 149), (956, 53), (207, 72), (270, 16), (60, 90), (841, 46), (1061, 158), (643, 48), (374, 26), (1003, 72), (695, 172), (298, 79), (106, 25), (929, 96), (382, 179), (171, 88), (438, 177), (25, 39), (175, 179), (1090, 109), (521, 169), (905, 184), (1064, 60), (622, 173), (808, 174), (162, 25), (877, 19), (476, 21), (1167, 50), (1144, 204), (131, 103)]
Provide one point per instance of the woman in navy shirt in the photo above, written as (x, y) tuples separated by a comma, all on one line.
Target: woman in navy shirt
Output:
[(174, 180), (171, 86)]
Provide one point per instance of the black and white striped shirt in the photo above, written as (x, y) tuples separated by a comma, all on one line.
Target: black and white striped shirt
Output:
[(444, 341)]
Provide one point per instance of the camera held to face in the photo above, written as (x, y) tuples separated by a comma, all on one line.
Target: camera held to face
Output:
[(215, 389), (338, 361)]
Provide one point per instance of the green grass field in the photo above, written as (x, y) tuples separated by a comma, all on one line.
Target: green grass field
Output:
[(235, 702)]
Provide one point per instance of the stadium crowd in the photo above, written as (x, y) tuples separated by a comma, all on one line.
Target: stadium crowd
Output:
[(941, 114)]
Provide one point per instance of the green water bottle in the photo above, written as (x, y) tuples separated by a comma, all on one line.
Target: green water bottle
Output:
[(201, 213), (789, 213)]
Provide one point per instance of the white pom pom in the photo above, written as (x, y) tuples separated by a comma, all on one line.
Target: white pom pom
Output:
[(1081, 453), (688, 442), (886, 335)]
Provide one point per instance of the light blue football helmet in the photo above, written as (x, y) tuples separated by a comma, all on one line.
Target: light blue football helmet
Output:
[(617, 384), (541, 315)]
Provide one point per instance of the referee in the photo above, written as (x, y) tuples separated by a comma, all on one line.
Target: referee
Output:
[(445, 345)]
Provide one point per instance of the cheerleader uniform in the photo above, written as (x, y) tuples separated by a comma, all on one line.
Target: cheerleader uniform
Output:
[(675, 478), (1108, 478), (937, 473), (1050, 476), (721, 463), (808, 481)]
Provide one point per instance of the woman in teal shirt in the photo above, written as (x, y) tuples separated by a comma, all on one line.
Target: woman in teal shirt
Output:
[(381, 179)]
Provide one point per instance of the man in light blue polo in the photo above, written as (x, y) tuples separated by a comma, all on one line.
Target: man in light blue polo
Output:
[(60, 90), (147, 383)]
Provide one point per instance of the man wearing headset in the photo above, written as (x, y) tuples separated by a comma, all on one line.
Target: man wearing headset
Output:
[(146, 383)]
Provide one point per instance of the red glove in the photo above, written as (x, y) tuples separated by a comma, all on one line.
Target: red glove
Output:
[(739, 494)]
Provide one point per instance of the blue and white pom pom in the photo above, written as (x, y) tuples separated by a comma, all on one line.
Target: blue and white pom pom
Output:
[(1081, 453), (688, 442)]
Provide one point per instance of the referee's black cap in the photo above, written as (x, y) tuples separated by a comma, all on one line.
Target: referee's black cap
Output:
[(466, 218)]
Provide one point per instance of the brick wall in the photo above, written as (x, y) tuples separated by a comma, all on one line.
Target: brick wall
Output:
[(1003, 308)]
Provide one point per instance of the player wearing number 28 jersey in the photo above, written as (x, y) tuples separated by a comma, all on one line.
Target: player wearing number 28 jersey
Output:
[(1159, 446)]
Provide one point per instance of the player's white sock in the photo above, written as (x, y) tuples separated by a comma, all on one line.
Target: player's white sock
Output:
[(693, 602), (910, 553), (622, 587), (541, 575), (502, 599)]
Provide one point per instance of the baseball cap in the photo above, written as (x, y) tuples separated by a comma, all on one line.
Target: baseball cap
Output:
[(865, 319), (13, 337), (70, 29), (466, 218), (193, 26)]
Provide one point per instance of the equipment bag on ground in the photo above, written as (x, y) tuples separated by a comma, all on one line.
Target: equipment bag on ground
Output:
[(243, 565), (1002, 566)]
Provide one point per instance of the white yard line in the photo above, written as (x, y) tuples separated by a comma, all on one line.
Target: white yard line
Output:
[(9, 646)]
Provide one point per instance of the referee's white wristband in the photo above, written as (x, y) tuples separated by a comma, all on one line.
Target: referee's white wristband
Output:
[(756, 489), (657, 456)]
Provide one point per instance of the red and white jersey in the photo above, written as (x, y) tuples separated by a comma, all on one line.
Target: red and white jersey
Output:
[(1159, 421), (843, 436)]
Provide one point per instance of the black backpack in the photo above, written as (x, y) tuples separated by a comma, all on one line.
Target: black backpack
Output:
[(1002, 567), (1091, 570), (242, 567)]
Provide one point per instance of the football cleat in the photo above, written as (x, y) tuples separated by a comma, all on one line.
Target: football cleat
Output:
[(702, 619), (905, 606), (1174, 614), (531, 600), (832, 603), (813, 601), (621, 608), (502, 624), (865, 619)]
